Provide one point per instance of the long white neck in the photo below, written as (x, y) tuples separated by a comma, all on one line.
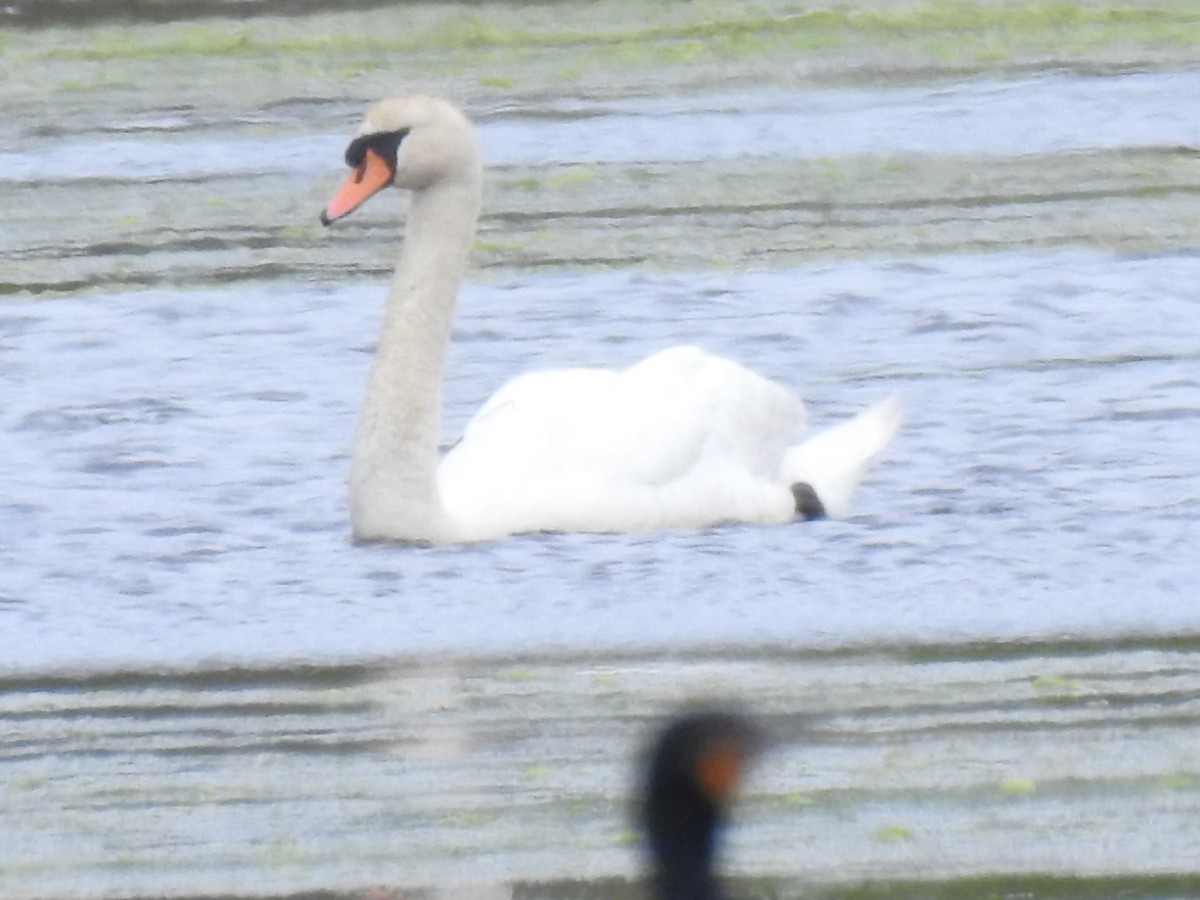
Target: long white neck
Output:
[(393, 479)]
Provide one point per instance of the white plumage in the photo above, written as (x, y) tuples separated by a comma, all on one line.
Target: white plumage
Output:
[(681, 439)]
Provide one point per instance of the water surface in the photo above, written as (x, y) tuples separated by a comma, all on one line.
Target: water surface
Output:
[(984, 681), (178, 462)]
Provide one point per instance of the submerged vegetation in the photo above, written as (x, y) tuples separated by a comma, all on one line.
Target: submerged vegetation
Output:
[(203, 81), (498, 43)]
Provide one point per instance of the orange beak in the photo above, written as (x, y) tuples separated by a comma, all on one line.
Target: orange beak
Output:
[(372, 176), (719, 769)]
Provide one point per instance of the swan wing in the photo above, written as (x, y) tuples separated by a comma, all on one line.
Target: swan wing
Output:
[(681, 438)]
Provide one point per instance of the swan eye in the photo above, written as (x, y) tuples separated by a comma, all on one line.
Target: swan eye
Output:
[(385, 143)]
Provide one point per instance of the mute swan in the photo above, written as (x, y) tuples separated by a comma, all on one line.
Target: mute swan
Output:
[(682, 439)]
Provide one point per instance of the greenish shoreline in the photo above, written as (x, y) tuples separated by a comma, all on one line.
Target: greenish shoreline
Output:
[(933, 761), (614, 45), (687, 217), (220, 74)]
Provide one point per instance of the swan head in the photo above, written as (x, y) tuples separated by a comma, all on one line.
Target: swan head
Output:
[(412, 142)]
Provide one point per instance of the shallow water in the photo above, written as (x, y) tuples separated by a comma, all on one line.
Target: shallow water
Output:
[(176, 500), (1001, 118), (1058, 770), (179, 463), (206, 687)]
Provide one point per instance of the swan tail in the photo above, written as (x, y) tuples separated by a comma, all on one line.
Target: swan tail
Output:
[(834, 462)]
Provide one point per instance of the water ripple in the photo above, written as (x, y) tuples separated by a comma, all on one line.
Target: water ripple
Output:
[(1047, 114), (1012, 494)]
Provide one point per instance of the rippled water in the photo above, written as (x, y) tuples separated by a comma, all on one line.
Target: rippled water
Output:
[(1062, 771), (176, 490), (209, 688), (986, 117)]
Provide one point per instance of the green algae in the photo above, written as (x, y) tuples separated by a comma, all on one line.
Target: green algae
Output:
[(661, 217), (671, 34), (494, 53), (706, 215), (1017, 787)]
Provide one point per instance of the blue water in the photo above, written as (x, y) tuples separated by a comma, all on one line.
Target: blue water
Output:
[(1056, 113), (173, 504), (173, 490)]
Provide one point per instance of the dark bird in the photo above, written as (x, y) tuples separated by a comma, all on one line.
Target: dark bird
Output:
[(692, 773)]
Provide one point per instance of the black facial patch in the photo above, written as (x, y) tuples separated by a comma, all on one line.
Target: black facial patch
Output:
[(384, 143)]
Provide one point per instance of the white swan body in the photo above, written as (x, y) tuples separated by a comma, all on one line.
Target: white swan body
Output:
[(682, 439)]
